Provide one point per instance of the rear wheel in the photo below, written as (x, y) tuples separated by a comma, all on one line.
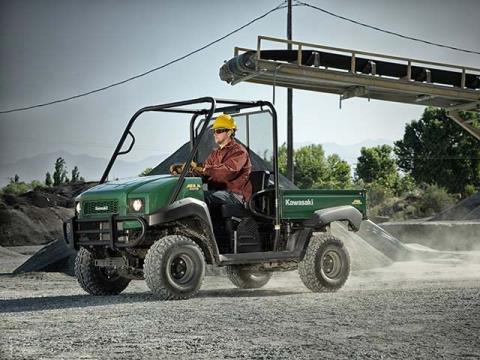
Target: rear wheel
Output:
[(244, 277), (96, 280), (174, 268), (326, 264)]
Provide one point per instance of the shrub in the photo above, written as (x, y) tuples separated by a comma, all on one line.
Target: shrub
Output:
[(145, 172), (434, 200), (378, 194), (36, 185), (470, 190), (16, 188)]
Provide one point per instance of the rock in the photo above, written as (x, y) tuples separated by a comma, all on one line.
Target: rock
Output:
[(36, 217)]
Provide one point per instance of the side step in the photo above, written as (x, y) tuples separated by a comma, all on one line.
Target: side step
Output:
[(258, 257)]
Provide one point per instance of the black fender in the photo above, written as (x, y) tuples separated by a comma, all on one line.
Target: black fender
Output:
[(189, 208), (323, 217)]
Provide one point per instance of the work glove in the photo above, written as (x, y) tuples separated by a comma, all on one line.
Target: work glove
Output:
[(195, 168), (176, 169)]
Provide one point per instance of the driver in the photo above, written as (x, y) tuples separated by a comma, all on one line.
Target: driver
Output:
[(226, 171), (227, 168)]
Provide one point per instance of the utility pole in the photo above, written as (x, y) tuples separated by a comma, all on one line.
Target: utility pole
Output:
[(290, 169)]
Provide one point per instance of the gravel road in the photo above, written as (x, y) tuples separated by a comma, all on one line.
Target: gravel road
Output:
[(411, 309)]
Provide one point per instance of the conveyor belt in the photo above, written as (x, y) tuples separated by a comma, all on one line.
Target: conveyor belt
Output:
[(351, 73), (246, 62)]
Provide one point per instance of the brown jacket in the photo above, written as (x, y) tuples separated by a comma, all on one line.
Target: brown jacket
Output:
[(229, 168)]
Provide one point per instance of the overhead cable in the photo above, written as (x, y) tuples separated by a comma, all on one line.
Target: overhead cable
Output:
[(282, 5), (278, 7), (386, 31)]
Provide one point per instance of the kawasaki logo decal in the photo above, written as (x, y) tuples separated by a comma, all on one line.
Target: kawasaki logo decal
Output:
[(290, 202), (101, 208)]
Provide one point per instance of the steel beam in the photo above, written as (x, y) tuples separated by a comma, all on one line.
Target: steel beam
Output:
[(466, 125)]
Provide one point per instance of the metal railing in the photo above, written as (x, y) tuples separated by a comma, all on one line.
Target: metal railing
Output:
[(409, 62)]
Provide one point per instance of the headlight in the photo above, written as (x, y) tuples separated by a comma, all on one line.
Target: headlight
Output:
[(136, 205), (78, 207)]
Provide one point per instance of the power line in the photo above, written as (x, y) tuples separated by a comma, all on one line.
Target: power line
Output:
[(384, 30), (278, 7), (282, 5)]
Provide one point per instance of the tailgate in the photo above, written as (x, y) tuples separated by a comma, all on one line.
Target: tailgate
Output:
[(301, 204)]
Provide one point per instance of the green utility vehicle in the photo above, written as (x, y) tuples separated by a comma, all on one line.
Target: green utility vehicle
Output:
[(158, 227)]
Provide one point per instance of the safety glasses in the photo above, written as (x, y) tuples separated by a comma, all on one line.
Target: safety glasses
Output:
[(219, 131)]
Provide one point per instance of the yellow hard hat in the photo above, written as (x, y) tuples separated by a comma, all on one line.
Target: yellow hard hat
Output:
[(224, 121)]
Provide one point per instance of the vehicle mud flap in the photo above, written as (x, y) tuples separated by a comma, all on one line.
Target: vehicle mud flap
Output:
[(323, 217)]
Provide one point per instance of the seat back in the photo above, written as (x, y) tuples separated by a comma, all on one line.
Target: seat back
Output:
[(259, 180)]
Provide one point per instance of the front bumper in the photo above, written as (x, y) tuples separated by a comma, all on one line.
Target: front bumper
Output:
[(105, 231)]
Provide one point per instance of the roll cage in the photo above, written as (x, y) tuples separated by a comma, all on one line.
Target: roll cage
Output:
[(207, 107)]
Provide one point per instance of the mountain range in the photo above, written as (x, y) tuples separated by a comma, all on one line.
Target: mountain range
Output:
[(91, 168), (350, 153)]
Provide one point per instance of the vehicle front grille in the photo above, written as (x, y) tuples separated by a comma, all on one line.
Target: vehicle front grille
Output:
[(100, 207)]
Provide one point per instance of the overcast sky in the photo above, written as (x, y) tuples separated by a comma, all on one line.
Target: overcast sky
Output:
[(55, 49)]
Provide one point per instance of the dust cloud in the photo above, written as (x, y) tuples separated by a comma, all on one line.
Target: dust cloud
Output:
[(378, 260)]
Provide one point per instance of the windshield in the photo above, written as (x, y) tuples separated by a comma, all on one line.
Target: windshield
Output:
[(157, 136), (258, 136), (254, 131)]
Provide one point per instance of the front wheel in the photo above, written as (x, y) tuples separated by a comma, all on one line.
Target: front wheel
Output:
[(326, 264), (174, 268), (244, 277), (96, 280)]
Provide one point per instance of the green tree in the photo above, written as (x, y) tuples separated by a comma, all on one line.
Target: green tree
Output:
[(405, 184), (75, 174), (145, 172), (435, 150), (282, 159), (60, 173), (310, 166), (313, 170), (35, 185), (377, 164), (65, 179), (337, 175), (15, 179), (48, 179)]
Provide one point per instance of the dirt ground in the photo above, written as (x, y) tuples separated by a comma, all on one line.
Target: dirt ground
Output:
[(409, 309)]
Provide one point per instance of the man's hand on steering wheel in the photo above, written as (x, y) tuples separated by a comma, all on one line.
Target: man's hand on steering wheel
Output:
[(194, 169), (176, 169)]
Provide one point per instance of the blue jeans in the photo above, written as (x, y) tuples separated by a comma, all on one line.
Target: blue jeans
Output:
[(214, 201)]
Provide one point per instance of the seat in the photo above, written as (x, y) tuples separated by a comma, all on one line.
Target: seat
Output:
[(240, 228), (238, 211), (259, 180)]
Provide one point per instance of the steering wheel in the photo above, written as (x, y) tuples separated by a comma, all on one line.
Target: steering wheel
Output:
[(176, 169)]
